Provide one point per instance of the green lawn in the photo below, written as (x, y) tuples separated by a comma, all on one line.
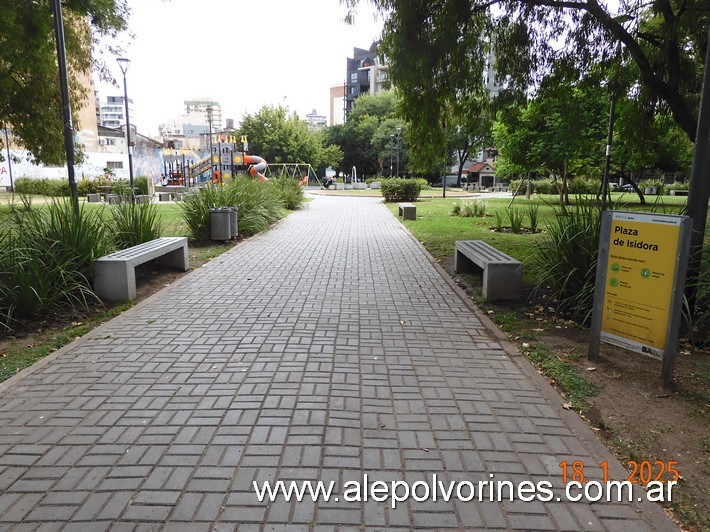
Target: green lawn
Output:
[(438, 229)]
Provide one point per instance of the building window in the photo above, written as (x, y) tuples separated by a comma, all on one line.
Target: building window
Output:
[(353, 77), (114, 165)]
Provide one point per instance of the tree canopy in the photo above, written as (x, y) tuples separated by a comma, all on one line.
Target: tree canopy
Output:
[(437, 50), (30, 101), (280, 137), (365, 138)]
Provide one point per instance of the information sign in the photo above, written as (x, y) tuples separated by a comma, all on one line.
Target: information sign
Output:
[(640, 277)]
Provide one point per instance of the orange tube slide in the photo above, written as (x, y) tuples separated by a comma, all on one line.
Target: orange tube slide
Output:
[(258, 166)]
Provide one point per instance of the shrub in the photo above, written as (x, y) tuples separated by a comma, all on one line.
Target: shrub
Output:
[(499, 219), (135, 223), (122, 187), (545, 186), (677, 186), (516, 218), (258, 202), (58, 188), (401, 189), (46, 258), (566, 258), (469, 209), (515, 186), (533, 215), (289, 191), (141, 183), (581, 186), (87, 186)]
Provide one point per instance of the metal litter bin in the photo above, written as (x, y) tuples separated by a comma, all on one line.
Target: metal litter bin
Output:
[(220, 224), (233, 221)]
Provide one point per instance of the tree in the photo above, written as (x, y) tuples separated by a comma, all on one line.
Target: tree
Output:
[(30, 100), (559, 132), (364, 138), (280, 137), (471, 128), (436, 51)]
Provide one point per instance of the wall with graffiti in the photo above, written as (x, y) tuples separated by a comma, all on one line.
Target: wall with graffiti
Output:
[(149, 162)]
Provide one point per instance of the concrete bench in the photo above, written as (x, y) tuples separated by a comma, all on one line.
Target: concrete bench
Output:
[(115, 274), (93, 198), (165, 196), (679, 192), (502, 274), (408, 211)]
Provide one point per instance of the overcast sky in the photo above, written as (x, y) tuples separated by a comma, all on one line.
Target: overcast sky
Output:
[(243, 53)]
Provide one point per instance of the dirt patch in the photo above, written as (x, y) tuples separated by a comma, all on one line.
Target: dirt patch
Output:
[(632, 413)]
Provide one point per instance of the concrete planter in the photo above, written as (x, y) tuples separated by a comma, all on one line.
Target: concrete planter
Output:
[(375, 185), (360, 186)]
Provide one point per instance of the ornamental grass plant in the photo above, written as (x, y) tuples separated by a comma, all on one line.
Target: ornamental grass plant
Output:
[(46, 257)]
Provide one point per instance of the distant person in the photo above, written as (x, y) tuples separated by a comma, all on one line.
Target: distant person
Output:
[(327, 181)]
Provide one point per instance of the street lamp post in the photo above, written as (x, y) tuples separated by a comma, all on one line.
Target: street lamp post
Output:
[(123, 64), (66, 102), (391, 153), (209, 122), (399, 134)]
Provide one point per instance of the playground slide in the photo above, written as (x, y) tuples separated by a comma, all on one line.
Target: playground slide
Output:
[(200, 167), (258, 166)]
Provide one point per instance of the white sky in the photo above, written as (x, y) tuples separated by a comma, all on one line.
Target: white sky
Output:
[(242, 53)]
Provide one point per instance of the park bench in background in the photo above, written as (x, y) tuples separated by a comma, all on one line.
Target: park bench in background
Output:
[(407, 211), (115, 274), (502, 274)]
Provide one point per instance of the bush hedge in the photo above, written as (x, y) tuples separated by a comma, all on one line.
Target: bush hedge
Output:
[(401, 189)]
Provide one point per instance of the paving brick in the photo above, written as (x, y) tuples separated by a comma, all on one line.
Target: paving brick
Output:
[(319, 356)]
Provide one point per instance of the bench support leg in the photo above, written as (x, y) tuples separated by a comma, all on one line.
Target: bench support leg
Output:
[(462, 264), (176, 259), (115, 281), (502, 281)]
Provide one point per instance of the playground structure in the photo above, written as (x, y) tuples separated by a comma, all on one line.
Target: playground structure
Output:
[(302, 171), (176, 163), (221, 164), (183, 168)]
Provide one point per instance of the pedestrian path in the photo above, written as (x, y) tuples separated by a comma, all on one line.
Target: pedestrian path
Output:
[(330, 348)]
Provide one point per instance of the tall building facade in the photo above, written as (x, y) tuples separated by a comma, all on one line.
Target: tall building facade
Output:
[(365, 75), (191, 128), (112, 111), (337, 104)]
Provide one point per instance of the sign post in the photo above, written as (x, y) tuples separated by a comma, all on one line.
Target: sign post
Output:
[(641, 269)]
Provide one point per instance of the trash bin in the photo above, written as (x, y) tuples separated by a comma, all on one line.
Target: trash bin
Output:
[(233, 221), (220, 224)]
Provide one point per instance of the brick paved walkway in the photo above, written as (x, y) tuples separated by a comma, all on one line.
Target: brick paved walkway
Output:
[(328, 348)]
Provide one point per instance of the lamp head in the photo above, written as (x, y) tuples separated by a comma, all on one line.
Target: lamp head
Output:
[(123, 64)]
